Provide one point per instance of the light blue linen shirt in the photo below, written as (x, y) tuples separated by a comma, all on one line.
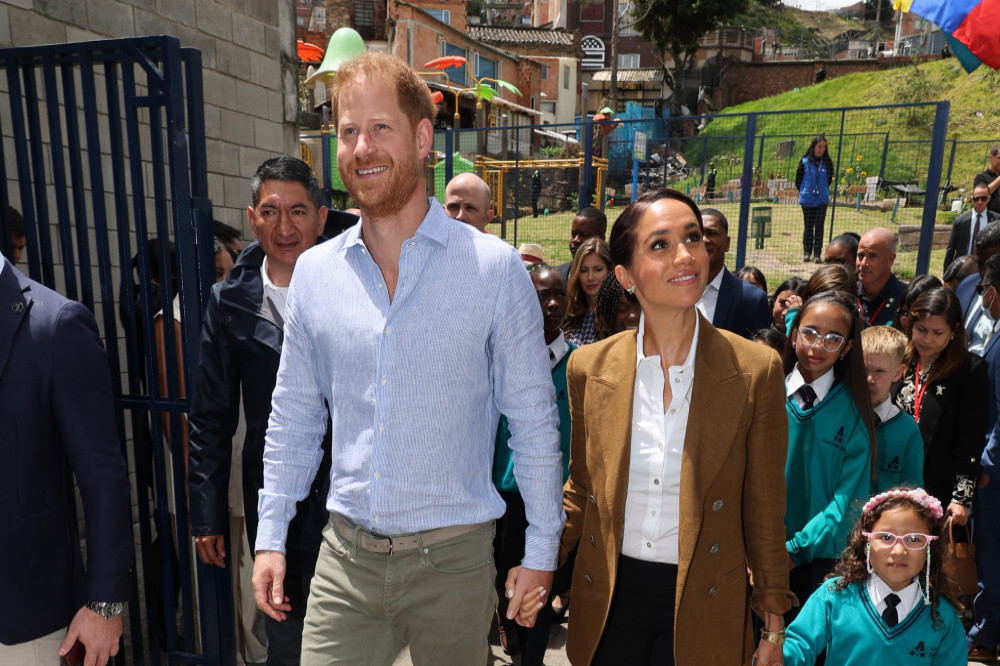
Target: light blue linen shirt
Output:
[(415, 388)]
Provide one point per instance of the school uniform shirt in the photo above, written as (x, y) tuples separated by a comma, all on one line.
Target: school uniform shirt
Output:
[(899, 453), (710, 296), (909, 596), (795, 381), (827, 474), (652, 502), (848, 625)]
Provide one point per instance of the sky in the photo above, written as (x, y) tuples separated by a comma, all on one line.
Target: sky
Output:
[(818, 4)]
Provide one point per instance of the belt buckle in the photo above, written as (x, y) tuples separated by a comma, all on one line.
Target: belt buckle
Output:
[(390, 545)]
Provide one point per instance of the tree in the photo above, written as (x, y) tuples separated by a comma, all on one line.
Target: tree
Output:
[(884, 17), (676, 26)]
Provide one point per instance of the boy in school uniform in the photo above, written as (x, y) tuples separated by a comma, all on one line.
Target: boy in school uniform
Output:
[(899, 446)]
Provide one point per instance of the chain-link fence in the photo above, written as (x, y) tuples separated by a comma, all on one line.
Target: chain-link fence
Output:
[(888, 166)]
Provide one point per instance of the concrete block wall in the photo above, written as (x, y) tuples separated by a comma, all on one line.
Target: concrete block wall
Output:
[(249, 61)]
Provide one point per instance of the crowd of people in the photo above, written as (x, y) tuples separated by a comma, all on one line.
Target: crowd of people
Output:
[(440, 433)]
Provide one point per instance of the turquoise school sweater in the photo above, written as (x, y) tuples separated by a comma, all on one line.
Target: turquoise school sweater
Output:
[(850, 629), (503, 462), (827, 474), (899, 457)]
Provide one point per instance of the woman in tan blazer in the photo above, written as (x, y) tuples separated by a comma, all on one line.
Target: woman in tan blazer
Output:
[(668, 511)]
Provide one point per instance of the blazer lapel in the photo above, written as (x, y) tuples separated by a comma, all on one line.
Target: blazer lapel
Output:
[(718, 399), (14, 305), (728, 299), (609, 396)]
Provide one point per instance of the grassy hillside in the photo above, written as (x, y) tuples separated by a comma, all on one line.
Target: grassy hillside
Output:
[(900, 136)]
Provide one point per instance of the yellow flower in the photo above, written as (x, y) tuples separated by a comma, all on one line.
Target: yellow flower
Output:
[(850, 170), (858, 158), (864, 174)]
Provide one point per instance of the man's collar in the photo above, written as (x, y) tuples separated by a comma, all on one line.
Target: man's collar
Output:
[(864, 293), (435, 227), (717, 280)]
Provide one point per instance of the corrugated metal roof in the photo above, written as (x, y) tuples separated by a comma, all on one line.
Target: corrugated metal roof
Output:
[(514, 36), (644, 75)]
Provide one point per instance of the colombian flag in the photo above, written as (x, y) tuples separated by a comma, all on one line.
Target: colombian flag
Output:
[(971, 27)]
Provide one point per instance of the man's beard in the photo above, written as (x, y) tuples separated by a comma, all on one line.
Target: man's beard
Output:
[(391, 192)]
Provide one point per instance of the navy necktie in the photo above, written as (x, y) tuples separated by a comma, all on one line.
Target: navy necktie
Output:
[(890, 615), (808, 396), (975, 230)]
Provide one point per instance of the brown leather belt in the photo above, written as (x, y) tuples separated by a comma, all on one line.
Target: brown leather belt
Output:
[(378, 543)]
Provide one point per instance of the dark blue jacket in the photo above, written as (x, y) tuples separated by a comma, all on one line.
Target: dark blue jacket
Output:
[(742, 308), (57, 413), (240, 349)]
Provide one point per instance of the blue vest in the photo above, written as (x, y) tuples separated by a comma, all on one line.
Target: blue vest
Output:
[(815, 189)]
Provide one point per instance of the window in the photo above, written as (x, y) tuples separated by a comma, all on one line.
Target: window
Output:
[(458, 75), (545, 72), (626, 29), (364, 17), (486, 67), (628, 60), (565, 77), (548, 107), (592, 17), (443, 15)]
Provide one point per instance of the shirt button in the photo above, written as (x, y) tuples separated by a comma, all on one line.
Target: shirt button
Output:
[(714, 549), (653, 512), (388, 331), (660, 447), (649, 545), (364, 251), (677, 380), (381, 428), (711, 590), (376, 475), (384, 379), (380, 285), (656, 482), (673, 411), (717, 505), (376, 519)]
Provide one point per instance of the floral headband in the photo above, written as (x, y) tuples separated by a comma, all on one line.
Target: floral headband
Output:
[(918, 495)]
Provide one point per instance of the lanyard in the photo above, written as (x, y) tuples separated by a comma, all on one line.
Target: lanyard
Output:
[(918, 393), (861, 309)]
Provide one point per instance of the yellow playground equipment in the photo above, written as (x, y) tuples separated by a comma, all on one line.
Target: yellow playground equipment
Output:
[(496, 172)]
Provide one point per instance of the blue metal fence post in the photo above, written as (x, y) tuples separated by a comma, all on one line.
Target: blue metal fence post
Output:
[(746, 190), (836, 177), (951, 160), (449, 149), (324, 143), (885, 156), (933, 183), (586, 182)]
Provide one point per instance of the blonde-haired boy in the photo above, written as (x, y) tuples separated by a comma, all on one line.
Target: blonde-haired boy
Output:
[(900, 447)]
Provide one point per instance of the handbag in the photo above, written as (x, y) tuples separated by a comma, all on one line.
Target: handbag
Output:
[(959, 560)]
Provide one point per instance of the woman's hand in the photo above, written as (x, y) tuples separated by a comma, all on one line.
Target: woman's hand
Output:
[(768, 654), (959, 513)]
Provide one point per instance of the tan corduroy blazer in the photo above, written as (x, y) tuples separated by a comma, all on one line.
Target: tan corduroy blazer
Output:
[(732, 502)]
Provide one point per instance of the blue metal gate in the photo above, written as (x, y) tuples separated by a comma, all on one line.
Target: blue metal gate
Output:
[(108, 146)]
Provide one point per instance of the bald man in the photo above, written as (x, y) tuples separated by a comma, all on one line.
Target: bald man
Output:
[(467, 198), (878, 288)]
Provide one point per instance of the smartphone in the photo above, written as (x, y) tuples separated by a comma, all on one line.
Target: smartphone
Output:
[(75, 655)]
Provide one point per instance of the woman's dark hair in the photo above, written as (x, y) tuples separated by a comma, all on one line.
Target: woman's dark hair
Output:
[(771, 337), (849, 369), (576, 303), (915, 288), (793, 284), (755, 273), (831, 277), (812, 146), (852, 567), (608, 298), (940, 301), (623, 232)]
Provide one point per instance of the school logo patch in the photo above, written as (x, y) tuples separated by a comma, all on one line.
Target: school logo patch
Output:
[(920, 650), (894, 465), (838, 440)]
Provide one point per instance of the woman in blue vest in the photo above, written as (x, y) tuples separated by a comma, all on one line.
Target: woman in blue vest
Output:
[(813, 178)]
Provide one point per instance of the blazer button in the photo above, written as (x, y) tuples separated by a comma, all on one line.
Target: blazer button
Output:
[(714, 549), (711, 590), (586, 577), (593, 500), (717, 505), (592, 542)]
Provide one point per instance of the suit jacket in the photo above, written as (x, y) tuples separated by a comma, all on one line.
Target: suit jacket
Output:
[(990, 460), (965, 292), (57, 415), (953, 423), (958, 241), (732, 501), (742, 308)]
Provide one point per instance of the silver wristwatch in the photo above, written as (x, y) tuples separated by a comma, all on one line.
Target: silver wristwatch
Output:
[(109, 610)]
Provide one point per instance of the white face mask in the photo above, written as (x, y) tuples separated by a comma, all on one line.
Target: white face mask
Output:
[(986, 307)]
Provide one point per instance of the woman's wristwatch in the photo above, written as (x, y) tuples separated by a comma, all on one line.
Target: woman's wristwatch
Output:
[(776, 637), (109, 610)]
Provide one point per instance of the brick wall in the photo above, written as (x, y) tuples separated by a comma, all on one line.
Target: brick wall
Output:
[(747, 81), (249, 61)]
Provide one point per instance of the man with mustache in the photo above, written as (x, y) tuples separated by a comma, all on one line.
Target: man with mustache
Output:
[(416, 379)]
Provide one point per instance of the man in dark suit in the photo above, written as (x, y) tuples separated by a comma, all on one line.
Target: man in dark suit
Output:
[(991, 179), (985, 633), (729, 302), (978, 322), (57, 412), (967, 226)]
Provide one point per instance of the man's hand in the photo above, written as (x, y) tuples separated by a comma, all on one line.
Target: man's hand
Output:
[(211, 549), (268, 584), (520, 582), (99, 637)]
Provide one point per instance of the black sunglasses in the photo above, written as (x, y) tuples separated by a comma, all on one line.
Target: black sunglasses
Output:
[(980, 199)]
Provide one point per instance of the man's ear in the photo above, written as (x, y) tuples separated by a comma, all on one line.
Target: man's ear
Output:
[(425, 138), (252, 221)]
